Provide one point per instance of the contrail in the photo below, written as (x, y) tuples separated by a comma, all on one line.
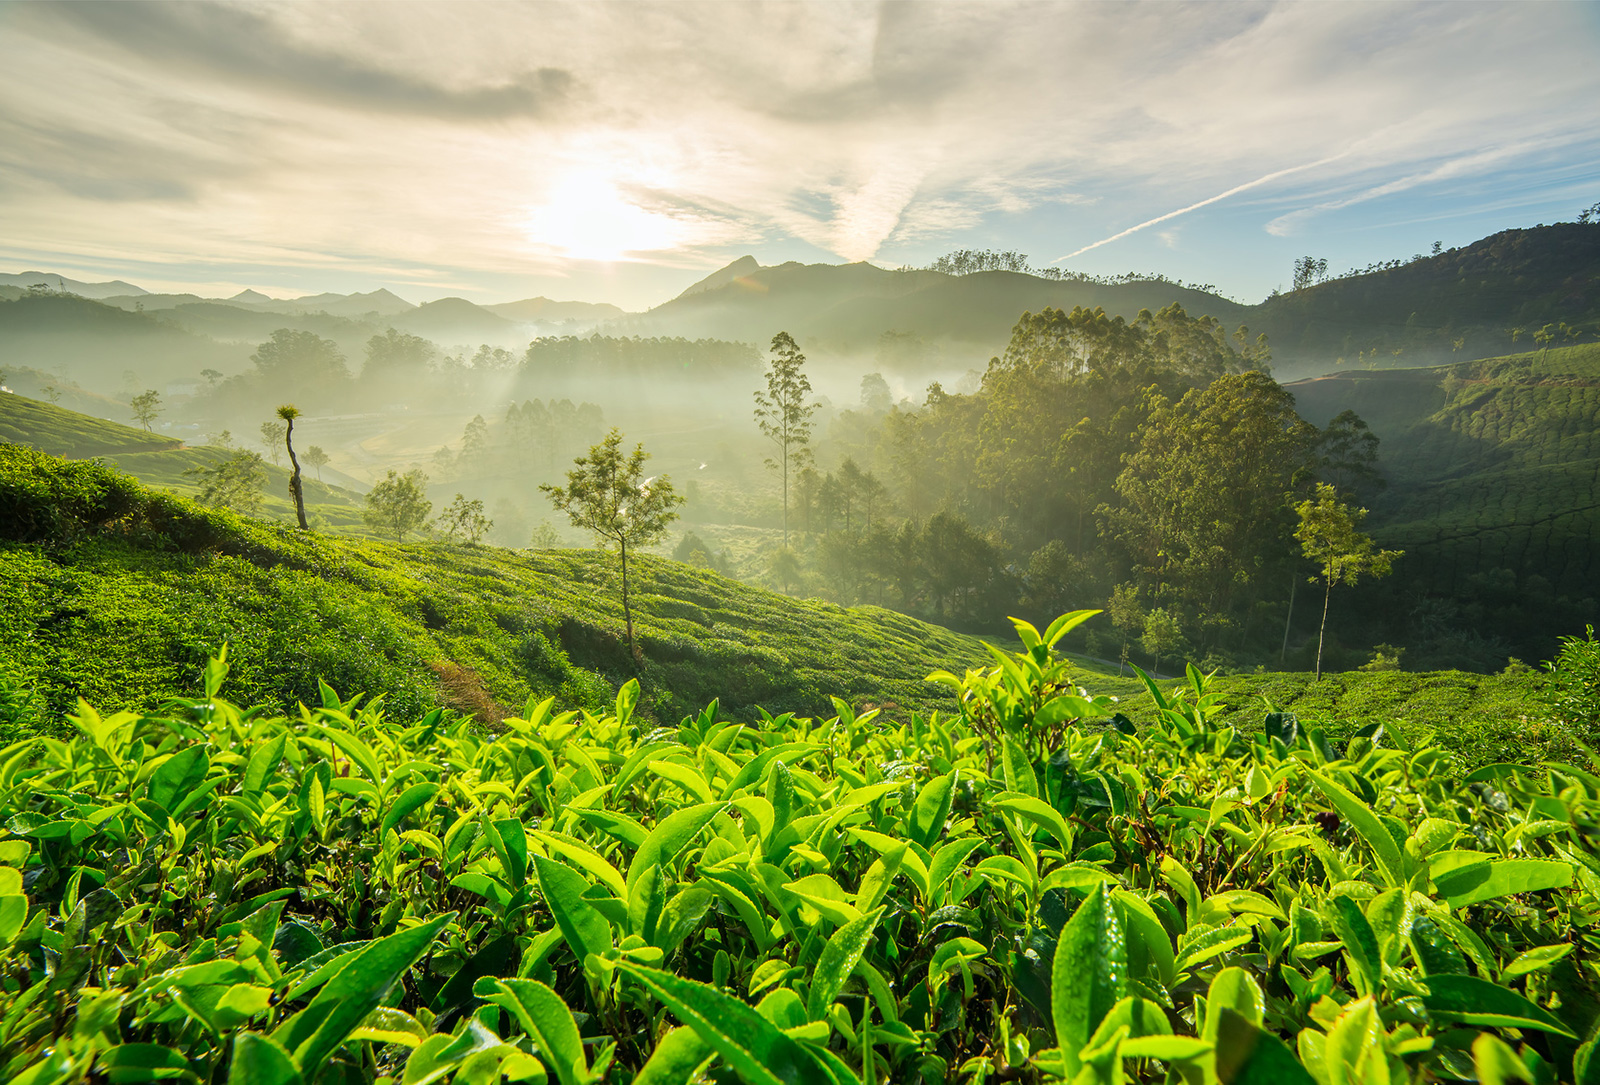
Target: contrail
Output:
[(1196, 206)]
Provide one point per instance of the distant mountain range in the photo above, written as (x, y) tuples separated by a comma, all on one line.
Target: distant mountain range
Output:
[(1452, 306), (1477, 301)]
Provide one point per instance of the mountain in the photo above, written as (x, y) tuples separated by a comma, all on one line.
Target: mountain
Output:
[(544, 311), (1457, 305), (251, 297), (1460, 304), (70, 286), (850, 307), (456, 320), (104, 347), (741, 268)]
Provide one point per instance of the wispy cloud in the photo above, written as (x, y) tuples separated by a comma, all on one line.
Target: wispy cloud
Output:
[(1234, 191), (540, 139)]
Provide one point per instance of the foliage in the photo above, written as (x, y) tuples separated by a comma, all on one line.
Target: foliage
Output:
[(610, 496), (233, 482), (146, 407), (1343, 555), (1033, 889), (296, 357), (318, 459), (398, 504), (464, 519), (1577, 677)]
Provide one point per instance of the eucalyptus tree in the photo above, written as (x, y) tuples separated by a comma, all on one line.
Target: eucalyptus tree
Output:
[(784, 414), (1328, 536)]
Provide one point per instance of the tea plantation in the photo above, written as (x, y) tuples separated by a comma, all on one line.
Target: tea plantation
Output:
[(1002, 876)]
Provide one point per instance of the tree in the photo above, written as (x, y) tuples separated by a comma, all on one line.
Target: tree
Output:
[(875, 395), (783, 414), (398, 504), (146, 406), (271, 435), (318, 459), (234, 482), (299, 357), (1328, 536), (52, 393), (1162, 636), (464, 518), (1309, 270), (1347, 454), (1126, 615), (289, 412), (398, 355), (212, 376), (608, 494)]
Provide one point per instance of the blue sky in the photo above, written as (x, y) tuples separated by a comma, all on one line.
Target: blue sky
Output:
[(616, 153)]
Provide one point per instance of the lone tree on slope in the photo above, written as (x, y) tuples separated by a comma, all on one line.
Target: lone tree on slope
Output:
[(607, 493), (289, 412), (1328, 536)]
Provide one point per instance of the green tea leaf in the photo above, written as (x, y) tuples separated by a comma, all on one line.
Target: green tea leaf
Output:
[(261, 1060), (263, 763), (1039, 813), (1474, 1001), (677, 1056), (545, 1019), (361, 985), (1366, 823), (405, 805), (1477, 882), (670, 837), (178, 775), (584, 928), (1089, 975), (756, 1049), (931, 809), (839, 959), (1249, 1055)]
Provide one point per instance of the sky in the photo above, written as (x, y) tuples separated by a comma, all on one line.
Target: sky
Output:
[(618, 152)]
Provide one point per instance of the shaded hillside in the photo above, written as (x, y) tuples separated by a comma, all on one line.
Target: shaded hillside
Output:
[(96, 345), (456, 320), (849, 307), (154, 583), (1494, 486), (1460, 304)]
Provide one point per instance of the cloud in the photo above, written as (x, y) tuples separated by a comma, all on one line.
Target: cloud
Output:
[(417, 135), (246, 46)]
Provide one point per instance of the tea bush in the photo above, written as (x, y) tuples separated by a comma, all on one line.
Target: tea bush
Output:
[(1032, 889)]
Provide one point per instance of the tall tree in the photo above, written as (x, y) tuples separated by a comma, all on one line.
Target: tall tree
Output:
[(300, 357), (146, 407), (289, 412), (784, 414), (1328, 536), (398, 504), (271, 435), (465, 519), (234, 482), (607, 493), (1347, 455)]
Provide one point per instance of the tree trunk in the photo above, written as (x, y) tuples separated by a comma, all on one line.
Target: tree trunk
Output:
[(295, 490), (783, 449), (627, 613), (1294, 582), (1323, 628)]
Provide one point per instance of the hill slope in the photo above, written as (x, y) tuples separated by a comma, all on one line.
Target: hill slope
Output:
[(1494, 485), (151, 584)]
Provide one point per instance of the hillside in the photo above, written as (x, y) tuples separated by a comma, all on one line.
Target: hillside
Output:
[(162, 461), (1460, 304), (152, 584), (849, 307), (1494, 470), (102, 346)]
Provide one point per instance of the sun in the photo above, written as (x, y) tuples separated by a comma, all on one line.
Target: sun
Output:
[(586, 217)]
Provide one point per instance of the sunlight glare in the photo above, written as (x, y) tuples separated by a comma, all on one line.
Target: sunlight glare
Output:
[(586, 217)]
